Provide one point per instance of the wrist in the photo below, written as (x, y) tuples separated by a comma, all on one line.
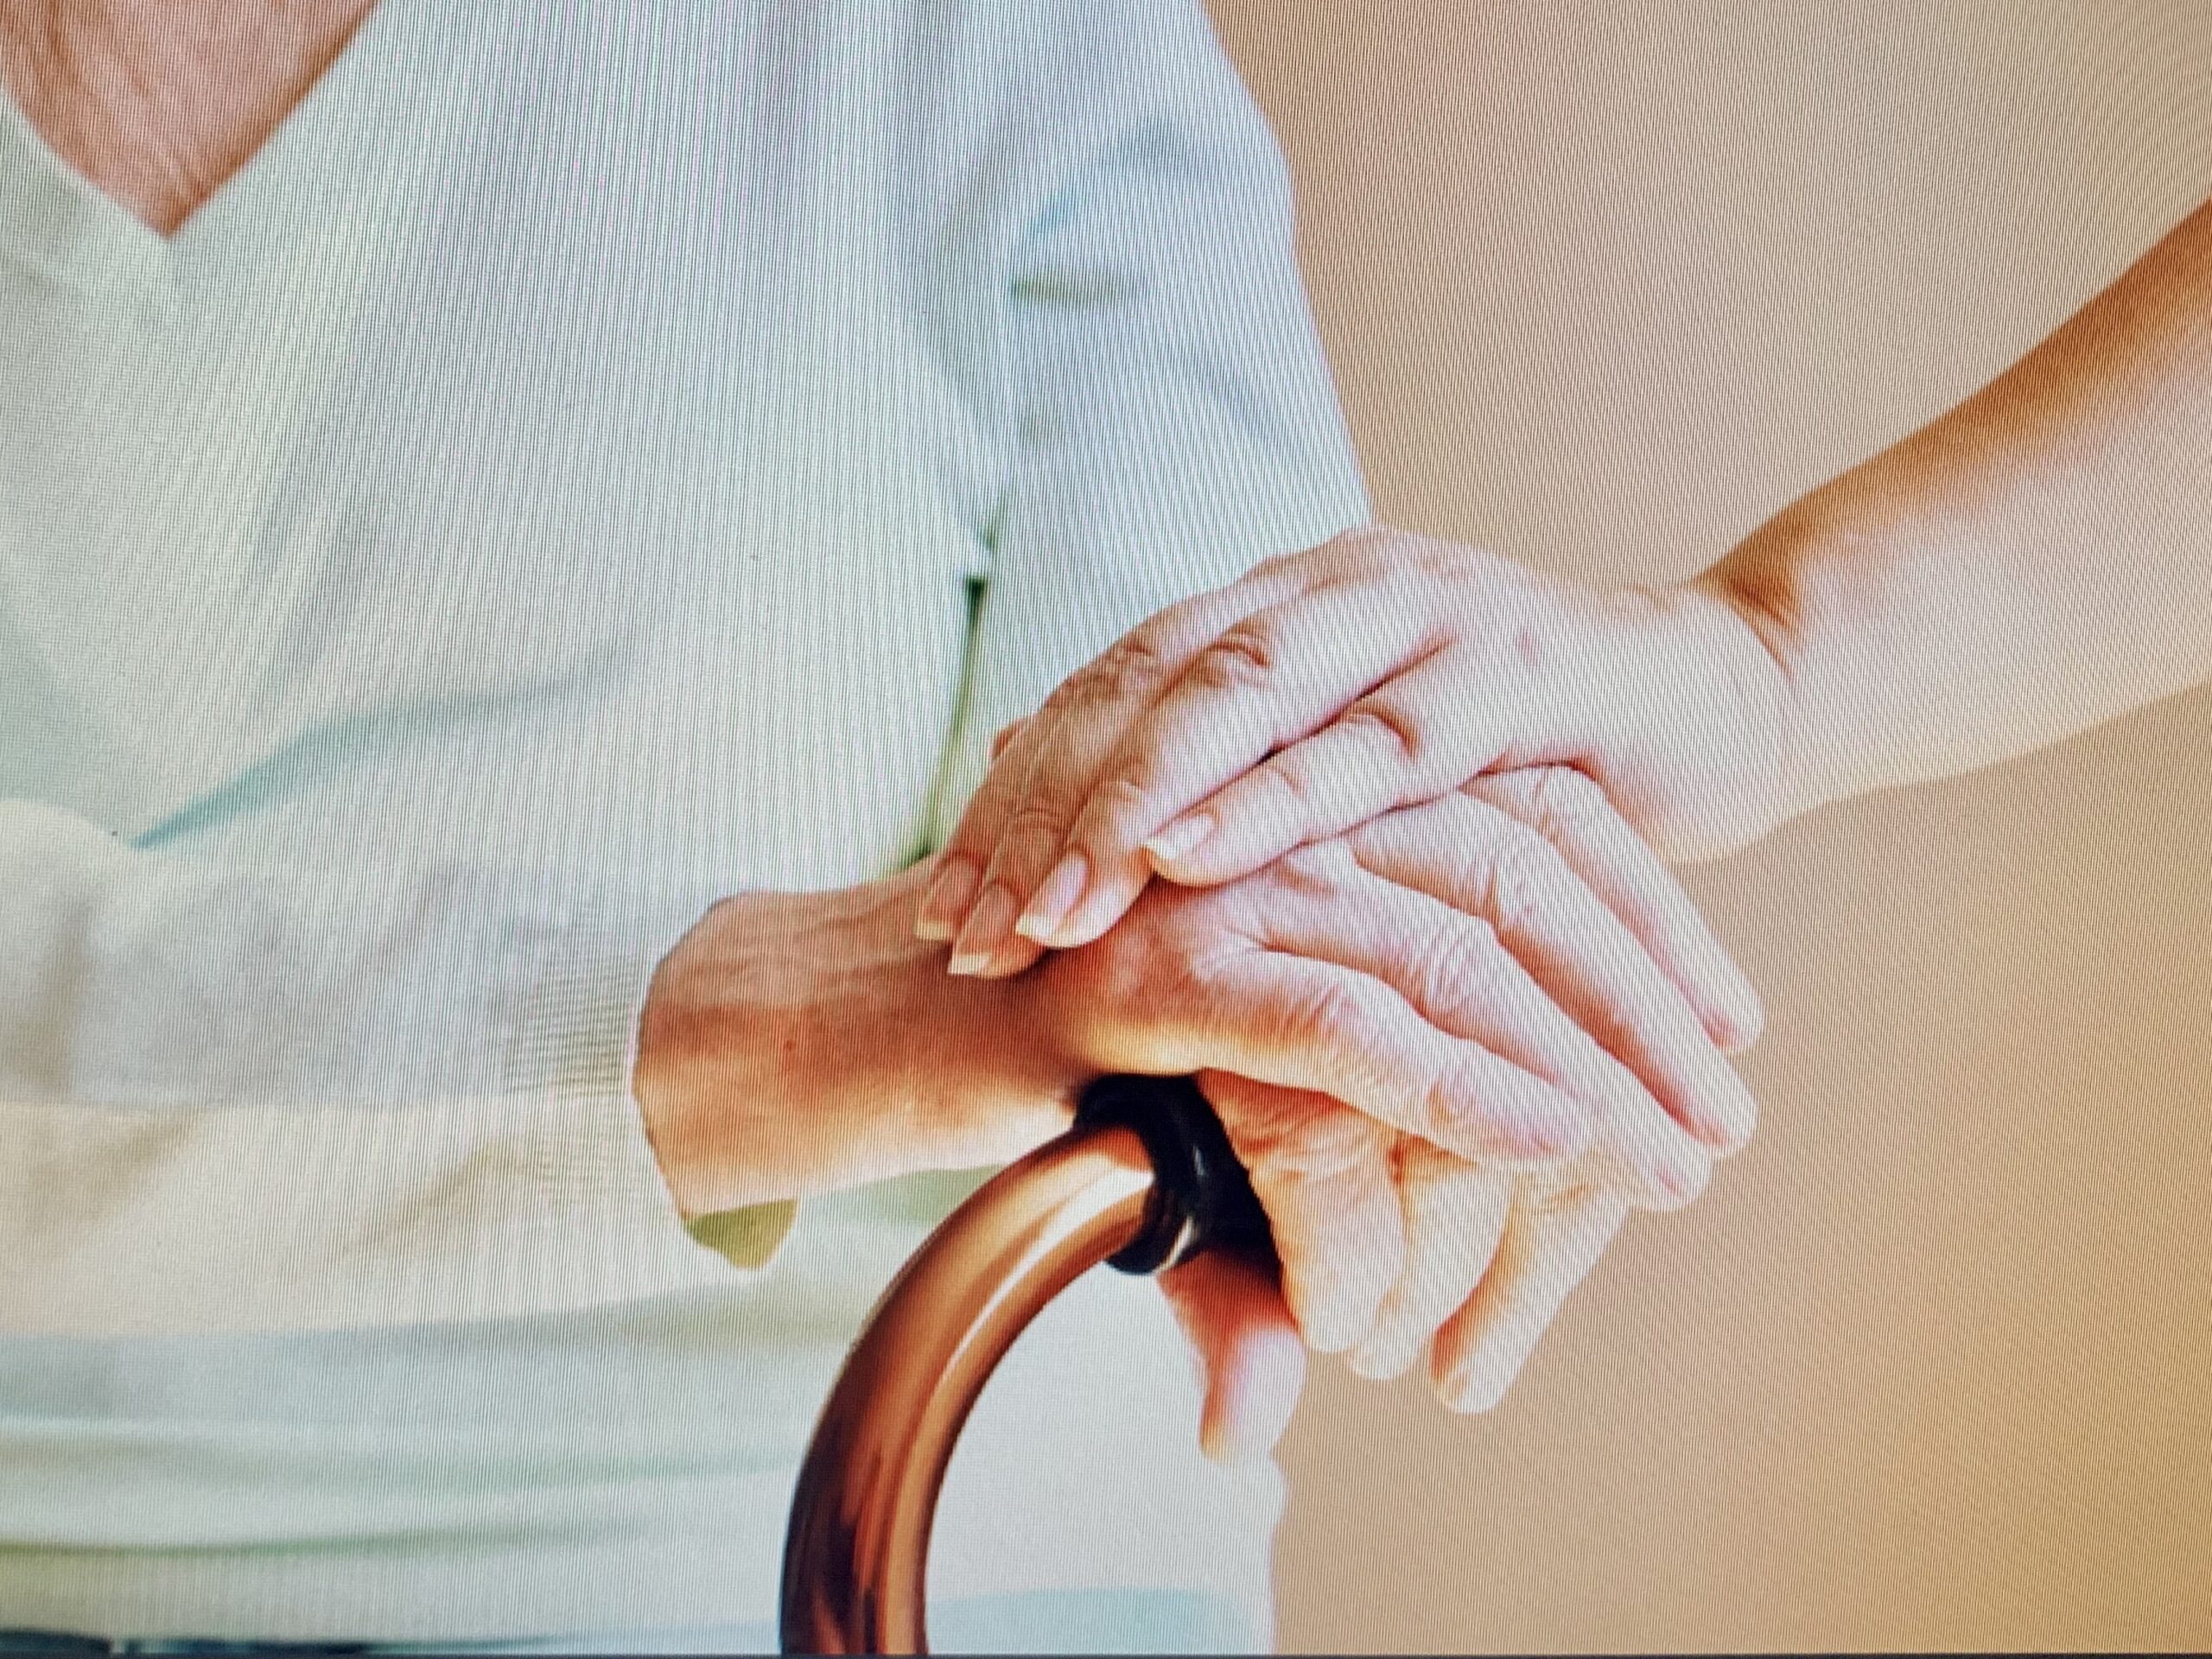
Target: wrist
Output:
[(1746, 630), (1818, 591), (1701, 720), (671, 1074), (794, 1044)]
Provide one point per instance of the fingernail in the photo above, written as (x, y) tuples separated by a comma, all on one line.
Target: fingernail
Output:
[(1332, 1336), (1479, 1388), (1740, 1027), (1681, 1178), (987, 926), (1100, 909), (947, 899), (1232, 1441), (1382, 1357), (1737, 1015), (1054, 899), (1180, 838), (1219, 1444), (1547, 1136), (1739, 1116), (1331, 1327)]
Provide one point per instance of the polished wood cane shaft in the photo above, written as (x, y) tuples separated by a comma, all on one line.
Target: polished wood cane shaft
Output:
[(857, 1554), (1145, 1179)]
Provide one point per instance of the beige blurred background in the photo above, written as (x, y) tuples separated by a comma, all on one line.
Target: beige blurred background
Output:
[(1931, 1364)]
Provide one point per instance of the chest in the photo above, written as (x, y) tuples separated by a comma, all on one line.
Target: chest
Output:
[(450, 415), (157, 105)]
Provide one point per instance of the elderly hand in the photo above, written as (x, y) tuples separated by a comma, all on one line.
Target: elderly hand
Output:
[(1378, 670), (1387, 1022), (1491, 1254)]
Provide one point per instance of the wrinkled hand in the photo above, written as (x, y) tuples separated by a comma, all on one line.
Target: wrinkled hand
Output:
[(1493, 1255), (1377, 670), (1520, 912), (1449, 983)]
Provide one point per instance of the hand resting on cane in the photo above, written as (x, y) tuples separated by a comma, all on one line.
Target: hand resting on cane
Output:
[(2027, 565), (1391, 1022)]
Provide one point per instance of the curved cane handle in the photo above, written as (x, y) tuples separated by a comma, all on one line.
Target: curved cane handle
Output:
[(1145, 1180)]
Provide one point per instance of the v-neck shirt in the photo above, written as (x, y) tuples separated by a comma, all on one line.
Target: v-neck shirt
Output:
[(590, 460)]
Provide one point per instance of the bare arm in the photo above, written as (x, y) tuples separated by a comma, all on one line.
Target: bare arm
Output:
[(2037, 561)]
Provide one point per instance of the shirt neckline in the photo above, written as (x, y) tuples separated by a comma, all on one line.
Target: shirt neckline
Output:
[(71, 231), (66, 229)]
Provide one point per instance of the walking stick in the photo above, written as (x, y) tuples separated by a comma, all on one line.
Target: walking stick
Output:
[(1143, 1181)]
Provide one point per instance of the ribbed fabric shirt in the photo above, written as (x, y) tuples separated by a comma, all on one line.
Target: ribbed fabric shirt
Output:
[(592, 459)]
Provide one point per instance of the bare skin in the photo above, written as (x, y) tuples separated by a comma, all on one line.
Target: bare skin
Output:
[(158, 103), (1458, 1011), (1453, 1048), (2035, 562)]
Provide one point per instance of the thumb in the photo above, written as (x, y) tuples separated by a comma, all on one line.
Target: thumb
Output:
[(1249, 1353)]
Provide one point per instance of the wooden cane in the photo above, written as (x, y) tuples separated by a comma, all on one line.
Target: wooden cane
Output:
[(1143, 1181)]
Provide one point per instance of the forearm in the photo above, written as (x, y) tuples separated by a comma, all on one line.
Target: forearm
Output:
[(795, 1044), (261, 1097), (2037, 561)]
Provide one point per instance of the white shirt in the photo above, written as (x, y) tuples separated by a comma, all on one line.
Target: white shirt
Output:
[(591, 461)]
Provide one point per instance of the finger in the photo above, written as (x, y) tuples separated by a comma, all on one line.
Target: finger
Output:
[(1249, 1353), (1271, 678), (1451, 962), (1013, 824), (1455, 1213), (953, 891), (1322, 1173), (1305, 1024), (1571, 812), (1410, 739), (1477, 859), (1548, 1249), (1005, 734)]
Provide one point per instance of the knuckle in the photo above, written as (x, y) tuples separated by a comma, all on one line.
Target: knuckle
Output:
[(980, 824), (1333, 1016), (1290, 777), (1461, 969), (1284, 565), (1442, 561), (1523, 868), (1392, 730), (1315, 1147), (1128, 668), (1033, 823), (1120, 795), (1400, 555), (1368, 545), (1317, 870), (1553, 800), (1565, 798), (1070, 693), (1445, 1101), (1246, 657), (1508, 792)]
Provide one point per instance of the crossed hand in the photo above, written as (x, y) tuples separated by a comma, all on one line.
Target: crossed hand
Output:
[(1412, 755)]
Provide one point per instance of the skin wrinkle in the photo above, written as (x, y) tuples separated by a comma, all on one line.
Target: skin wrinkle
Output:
[(195, 125), (1947, 604), (160, 105)]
